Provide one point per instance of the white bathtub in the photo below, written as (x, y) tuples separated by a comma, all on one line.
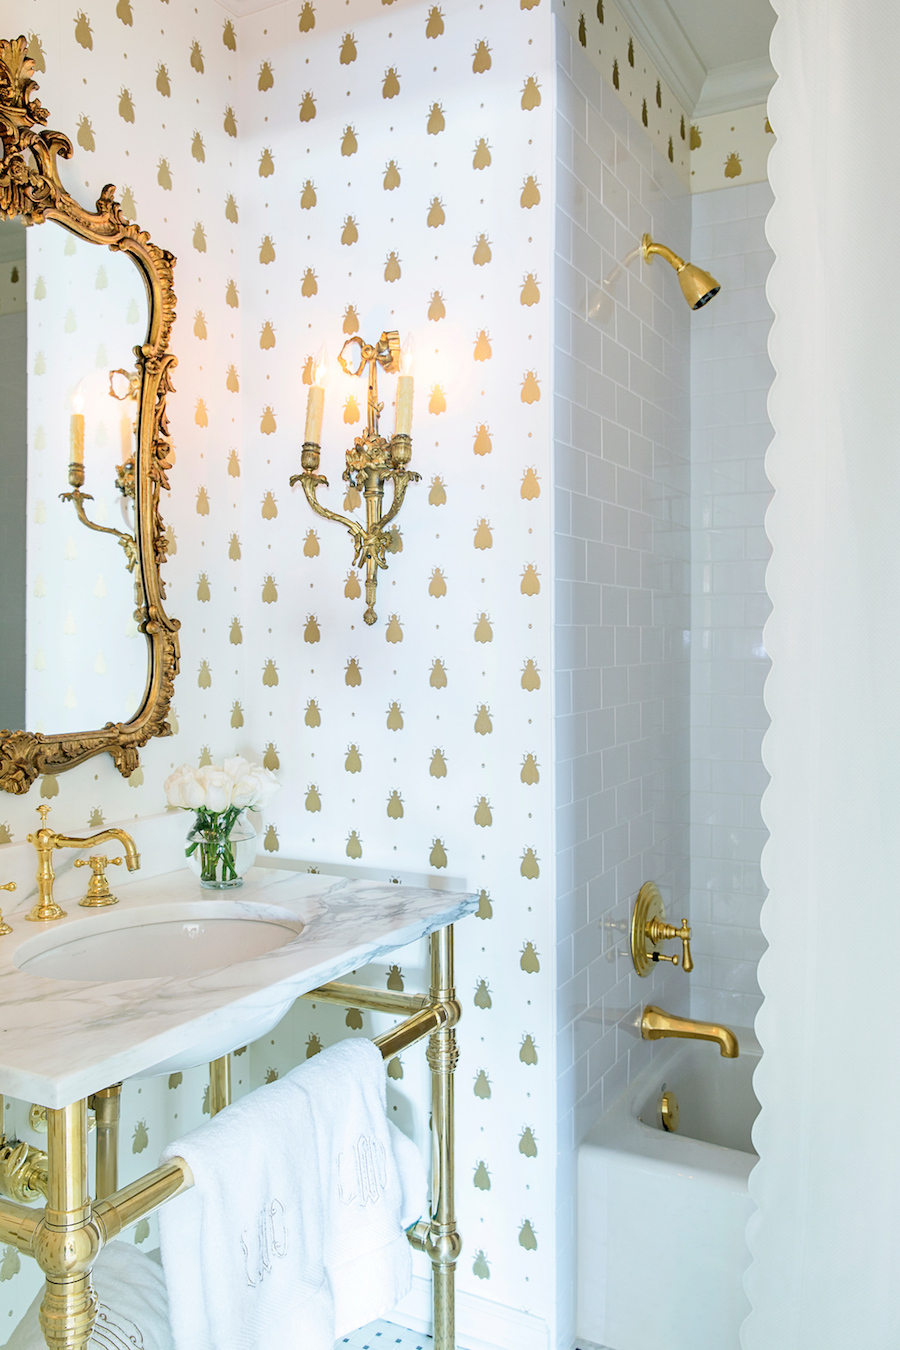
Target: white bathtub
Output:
[(661, 1216)]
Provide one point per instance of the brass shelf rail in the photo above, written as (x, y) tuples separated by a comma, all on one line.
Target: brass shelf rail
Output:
[(68, 1234)]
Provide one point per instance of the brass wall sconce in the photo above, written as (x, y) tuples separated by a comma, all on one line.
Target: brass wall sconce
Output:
[(125, 472), (371, 462), (697, 286), (649, 929)]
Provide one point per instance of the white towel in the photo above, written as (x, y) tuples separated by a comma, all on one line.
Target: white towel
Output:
[(243, 1249), (295, 1225), (373, 1182), (133, 1307)]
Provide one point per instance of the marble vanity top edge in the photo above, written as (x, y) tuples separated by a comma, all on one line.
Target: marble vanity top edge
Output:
[(143, 1022)]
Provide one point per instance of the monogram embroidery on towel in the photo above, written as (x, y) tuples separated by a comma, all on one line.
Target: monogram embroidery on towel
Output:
[(111, 1332), (264, 1243), (362, 1172)]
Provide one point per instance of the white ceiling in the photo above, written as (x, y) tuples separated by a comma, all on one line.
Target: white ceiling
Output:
[(713, 54)]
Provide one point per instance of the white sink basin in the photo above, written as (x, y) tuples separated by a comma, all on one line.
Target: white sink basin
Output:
[(175, 939)]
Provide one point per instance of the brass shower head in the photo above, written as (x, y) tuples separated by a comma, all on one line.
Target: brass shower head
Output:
[(697, 286)]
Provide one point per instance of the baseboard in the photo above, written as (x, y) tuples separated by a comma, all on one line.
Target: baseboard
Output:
[(480, 1323)]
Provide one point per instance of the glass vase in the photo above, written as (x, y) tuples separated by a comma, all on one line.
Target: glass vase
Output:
[(219, 850)]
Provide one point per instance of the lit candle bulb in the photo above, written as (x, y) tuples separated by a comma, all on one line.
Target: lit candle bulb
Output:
[(315, 404), (403, 421), (76, 431)]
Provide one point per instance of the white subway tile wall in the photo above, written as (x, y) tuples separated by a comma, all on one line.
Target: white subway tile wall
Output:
[(730, 378), (622, 462)]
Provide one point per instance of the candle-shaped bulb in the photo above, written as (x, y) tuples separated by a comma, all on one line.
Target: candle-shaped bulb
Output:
[(76, 430), (403, 422), (315, 403)]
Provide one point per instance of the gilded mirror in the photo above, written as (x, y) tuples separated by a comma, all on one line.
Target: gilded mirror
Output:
[(84, 374)]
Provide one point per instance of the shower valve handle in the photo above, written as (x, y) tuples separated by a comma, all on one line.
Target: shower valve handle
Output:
[(657, 931)]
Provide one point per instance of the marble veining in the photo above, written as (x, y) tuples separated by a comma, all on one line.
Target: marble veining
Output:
[(63, 1039)]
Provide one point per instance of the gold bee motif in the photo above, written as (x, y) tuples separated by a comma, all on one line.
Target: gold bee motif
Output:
[(529, 866), (482, 157), (481, 59), (531, 94)]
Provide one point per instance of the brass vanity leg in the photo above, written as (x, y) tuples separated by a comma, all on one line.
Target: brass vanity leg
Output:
[(219, 1084), (67, 1241), (443, 1243), (106, 1104)]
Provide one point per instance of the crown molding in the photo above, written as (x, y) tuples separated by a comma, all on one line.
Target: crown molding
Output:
[(666, 43), (700, 92), (742, 85)]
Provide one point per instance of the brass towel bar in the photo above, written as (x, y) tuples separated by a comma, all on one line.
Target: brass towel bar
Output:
[(67, 1235)]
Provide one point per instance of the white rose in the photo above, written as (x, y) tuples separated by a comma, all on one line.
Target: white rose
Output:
[(184, 789), (264, 785), (217, 787), (237, 767), (243, 793)]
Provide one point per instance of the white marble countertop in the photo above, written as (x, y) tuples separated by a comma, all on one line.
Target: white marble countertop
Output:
[(63, 1039)]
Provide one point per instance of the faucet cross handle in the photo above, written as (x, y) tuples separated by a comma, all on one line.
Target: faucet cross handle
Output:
[(98, 892)]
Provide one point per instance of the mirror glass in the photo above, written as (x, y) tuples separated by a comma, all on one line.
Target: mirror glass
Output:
[(72, 656)]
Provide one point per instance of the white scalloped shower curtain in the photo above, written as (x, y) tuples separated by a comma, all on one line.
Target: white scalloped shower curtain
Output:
[(826, 1237)]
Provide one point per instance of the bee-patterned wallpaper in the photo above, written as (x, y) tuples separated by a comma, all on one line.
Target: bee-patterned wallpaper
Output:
[(397, 174), (320, 172), (731, 148)]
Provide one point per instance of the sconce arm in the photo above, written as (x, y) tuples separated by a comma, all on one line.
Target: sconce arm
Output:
[(401, 479), (127, 541), (310, 482)]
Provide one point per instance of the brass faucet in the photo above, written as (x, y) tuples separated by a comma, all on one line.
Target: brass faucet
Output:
[(46, 840), (655, 1024)]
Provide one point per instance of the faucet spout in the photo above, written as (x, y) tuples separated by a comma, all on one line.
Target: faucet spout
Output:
[(655, 1024), (132, 857)]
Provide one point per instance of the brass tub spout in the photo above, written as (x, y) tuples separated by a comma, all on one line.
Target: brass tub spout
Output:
[(655, 1024)]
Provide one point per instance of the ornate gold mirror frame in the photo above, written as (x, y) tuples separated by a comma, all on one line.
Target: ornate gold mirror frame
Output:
[(30, 188)]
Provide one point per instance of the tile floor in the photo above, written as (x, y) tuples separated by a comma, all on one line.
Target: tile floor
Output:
[(384, 1336)]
